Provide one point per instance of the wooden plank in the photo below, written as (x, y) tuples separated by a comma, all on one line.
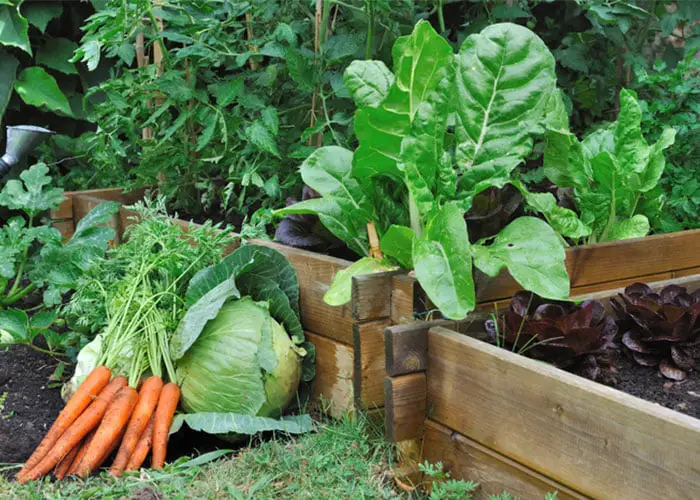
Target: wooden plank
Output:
[(466, 459), (406, 346), (64, 209), (65, 227), (371, 296), (370, 367), (332, 388), (403, 298), (587, 436), (405, 406)]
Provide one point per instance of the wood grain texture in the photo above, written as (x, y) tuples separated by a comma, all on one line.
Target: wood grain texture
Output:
[(65, 227), (332, 388), (370, 367), (406, 346), (405, 407), (371, 296), (403, 298), (589, 437), (466, 459)]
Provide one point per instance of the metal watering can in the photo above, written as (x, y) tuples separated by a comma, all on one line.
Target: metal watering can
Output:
[(21, 140)]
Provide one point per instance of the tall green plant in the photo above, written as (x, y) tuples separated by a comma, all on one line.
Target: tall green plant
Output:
[(496, 90)]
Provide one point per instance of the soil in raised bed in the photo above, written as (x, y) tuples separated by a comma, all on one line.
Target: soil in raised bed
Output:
[(647, 383)]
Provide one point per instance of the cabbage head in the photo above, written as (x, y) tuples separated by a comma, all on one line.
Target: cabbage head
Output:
[(243, 362)]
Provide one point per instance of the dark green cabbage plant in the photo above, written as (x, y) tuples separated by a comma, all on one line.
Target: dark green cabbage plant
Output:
[(442, 128)]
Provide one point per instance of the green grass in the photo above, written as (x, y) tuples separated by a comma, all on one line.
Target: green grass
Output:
[(344, 459)]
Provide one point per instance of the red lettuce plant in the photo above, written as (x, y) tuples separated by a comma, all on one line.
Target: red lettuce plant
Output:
[(661, 328), (578, 338)]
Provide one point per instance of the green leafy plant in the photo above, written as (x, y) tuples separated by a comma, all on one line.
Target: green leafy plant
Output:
[(443, 487), (613, 171), (402, 126), (33, 255)]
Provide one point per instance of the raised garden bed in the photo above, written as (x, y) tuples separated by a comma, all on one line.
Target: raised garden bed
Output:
[(515, 423)]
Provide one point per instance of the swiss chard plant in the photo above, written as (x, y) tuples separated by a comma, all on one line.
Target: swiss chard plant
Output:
[(613, 171), (440, 129)]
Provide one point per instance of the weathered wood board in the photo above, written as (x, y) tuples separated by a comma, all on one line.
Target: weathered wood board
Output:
[(592, 438)]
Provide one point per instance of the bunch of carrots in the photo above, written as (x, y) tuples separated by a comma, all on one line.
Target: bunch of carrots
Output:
[(100, 417)]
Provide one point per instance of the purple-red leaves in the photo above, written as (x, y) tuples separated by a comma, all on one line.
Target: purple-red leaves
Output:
[(661, 328), (576, 337)]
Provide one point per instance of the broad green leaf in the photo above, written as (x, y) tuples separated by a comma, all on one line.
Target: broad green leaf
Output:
[(478, 179), (8, 68), (397, 242), (368, 82), (651, 174), (602, 140), (443, 263), (40, 13), (328, 211), (633, 227), (505, 75), (56, 54), (631, 150), (15, 322), (380, 132), (37, 88), (226, 423), (425, 71), (340, 291), (533, 254), (14, 28), (197, 316), (339, 47), (613, 181), (563, 220), (564, 161), (42, 320), (556, 116), (31, 194), (300, 70), (328, 170)]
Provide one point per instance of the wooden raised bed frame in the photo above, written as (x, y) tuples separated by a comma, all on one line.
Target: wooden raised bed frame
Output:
[(521, 425), (350, 339)]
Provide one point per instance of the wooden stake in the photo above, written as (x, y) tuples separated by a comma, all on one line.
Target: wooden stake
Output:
[(250, 35), (374, 250)]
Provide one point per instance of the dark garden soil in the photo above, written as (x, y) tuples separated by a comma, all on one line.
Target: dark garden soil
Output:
[(30, 406), (647, 383)]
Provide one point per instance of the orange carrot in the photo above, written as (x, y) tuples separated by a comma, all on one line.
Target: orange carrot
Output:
[(62, 467), (78, 430), (167, 404), (143, 446), (111, 449), (148, 399), (91, 386), (115, 419), (81, 453)]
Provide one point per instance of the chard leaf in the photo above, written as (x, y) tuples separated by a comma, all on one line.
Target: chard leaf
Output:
[(631, 150), (563, 220), (533, 254), (354, 234), (425, 70), (368, 82), (340, 291), (632, 227), (505, 75), (651, 174), (556, 116), (328, 170), (478, 179), (397, 242), (564, 161), (225, 423), (443, 264)]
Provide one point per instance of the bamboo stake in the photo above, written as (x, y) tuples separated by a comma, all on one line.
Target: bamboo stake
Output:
[(250, 35), (374, 250), (142, 61)]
